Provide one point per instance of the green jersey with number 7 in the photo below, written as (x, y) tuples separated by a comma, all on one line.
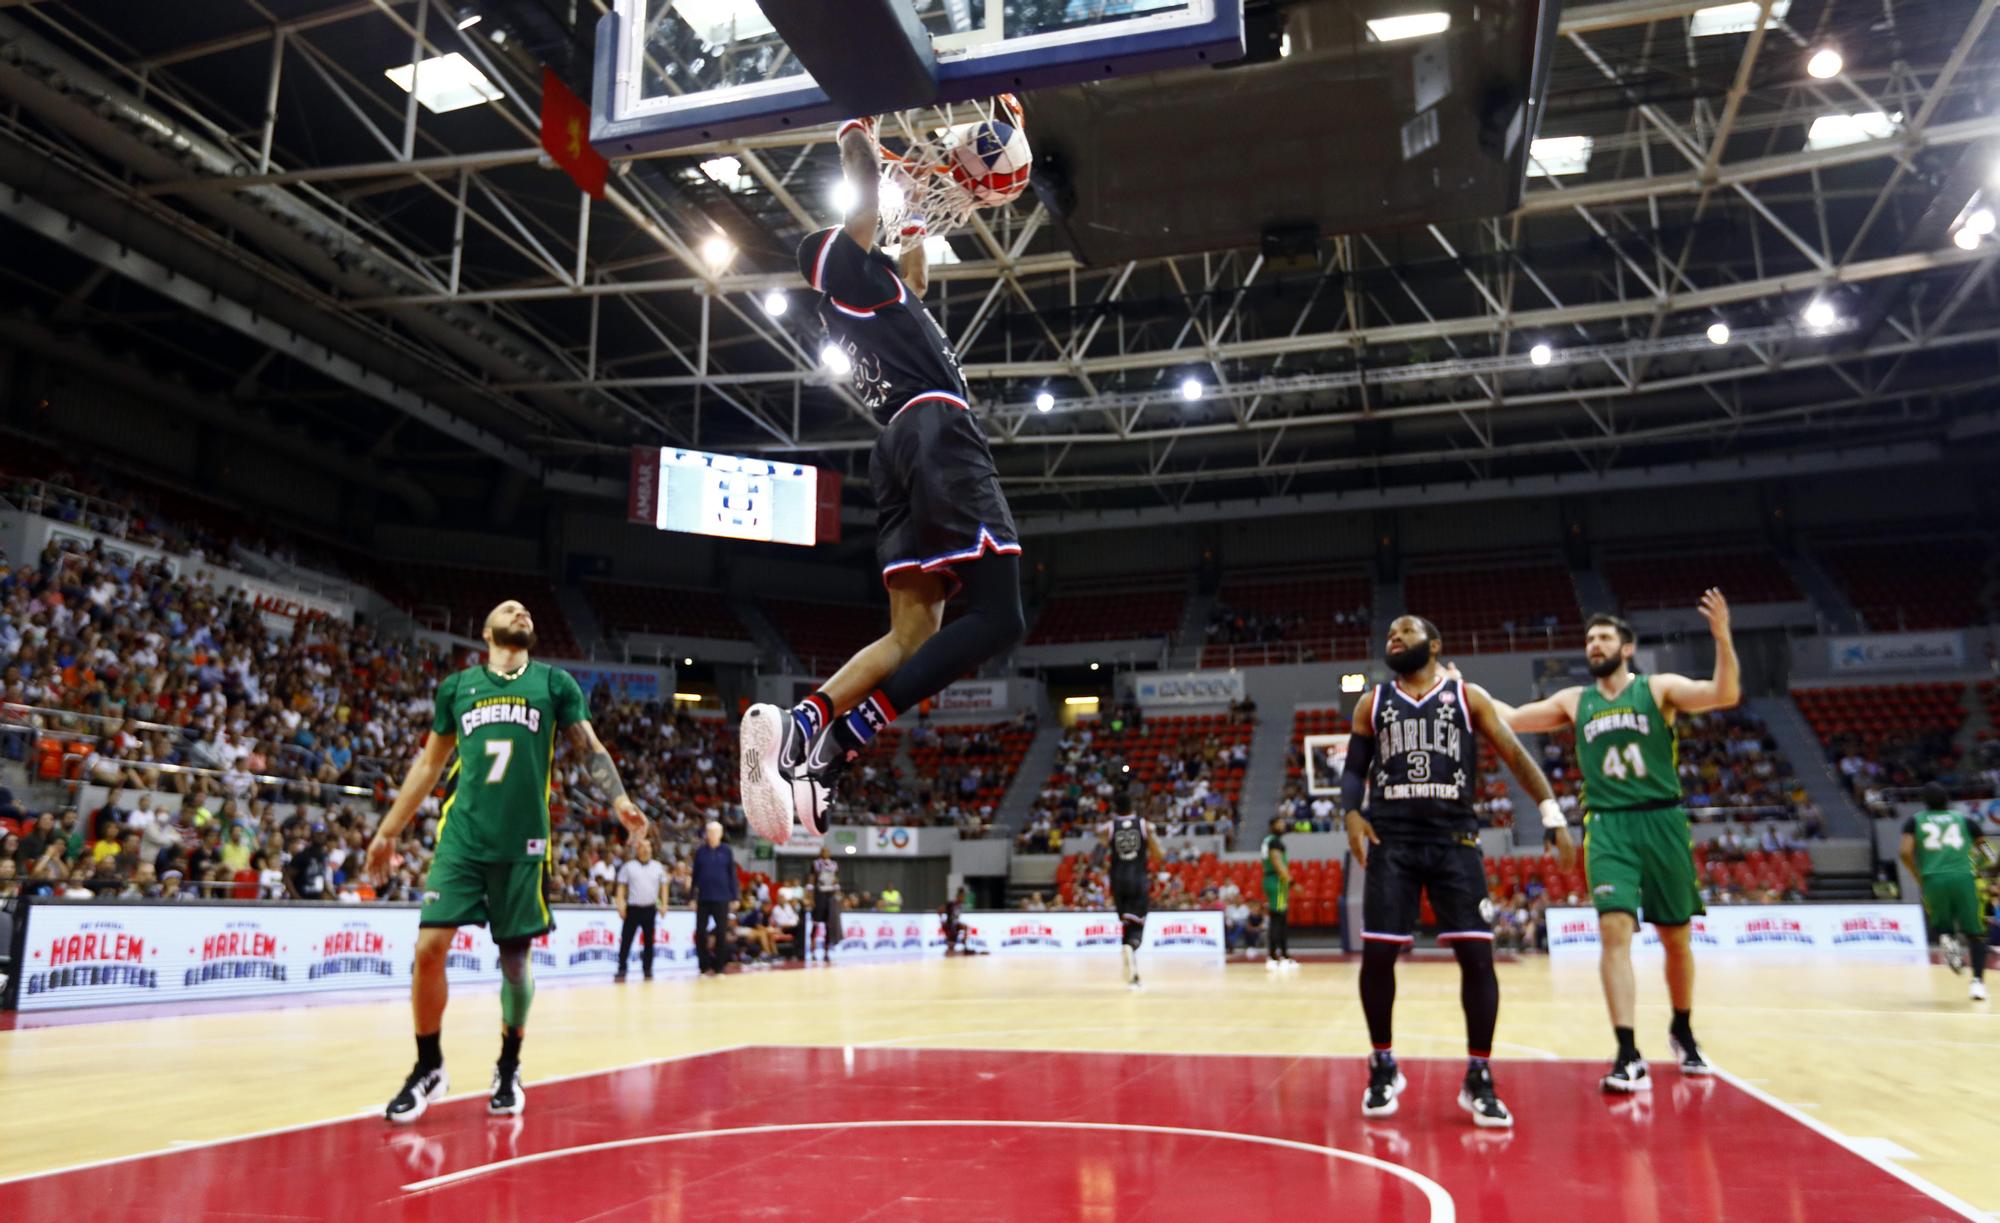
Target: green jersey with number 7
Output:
[(1627, 749), (496, 807)]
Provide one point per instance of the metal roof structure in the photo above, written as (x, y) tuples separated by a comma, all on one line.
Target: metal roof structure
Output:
[(234, 199)]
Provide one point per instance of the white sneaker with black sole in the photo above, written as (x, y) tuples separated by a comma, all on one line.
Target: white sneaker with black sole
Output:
[(509, 1096), (1385, 1083), (767, 793), (421, 1090), (1627, 1076), (1476, 1096)]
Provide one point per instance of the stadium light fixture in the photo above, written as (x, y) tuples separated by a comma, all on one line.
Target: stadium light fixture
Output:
[(1079, 701), (1833, 131), (1980, 221), (1825, 64), (687, 662), (776, 303), (842, 197), (1541, 354), (444, 83), (1964, 239), (1819, 313), (1738, 18), (1191, 389), (1718, 333), (727, 172), (469, 17), (717, 251), (1354, 681), (690, 698), (1553, 155), (1045, 402), (836, 360), (1094, 666), (1410, 25)]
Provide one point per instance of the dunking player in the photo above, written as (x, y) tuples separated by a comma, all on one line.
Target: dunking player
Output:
[(1940, 847), (1133, 846), (492, 839), (1414, 750), (942, 521), (1636, 847)]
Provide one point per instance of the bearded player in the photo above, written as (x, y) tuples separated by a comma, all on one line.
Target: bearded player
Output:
[(1414, 752), (1638, 853), (493, 846), (942, 520)]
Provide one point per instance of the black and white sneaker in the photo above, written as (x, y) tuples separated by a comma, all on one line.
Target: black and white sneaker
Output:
[(509, 1096), (1953, 948), (421, 1090), (1476, 1096), (813, 781), (1628, 1075), (1385, 1083), (767, 792), (1692, 1062)]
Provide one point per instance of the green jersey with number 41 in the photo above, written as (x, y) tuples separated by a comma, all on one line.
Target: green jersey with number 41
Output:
[(1627, 749), (496, 807)]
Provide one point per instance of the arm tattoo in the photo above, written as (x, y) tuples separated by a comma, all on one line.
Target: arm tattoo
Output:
[(604, 775)]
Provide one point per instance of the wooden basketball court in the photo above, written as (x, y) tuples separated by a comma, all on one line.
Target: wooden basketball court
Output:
[(909, 1090)]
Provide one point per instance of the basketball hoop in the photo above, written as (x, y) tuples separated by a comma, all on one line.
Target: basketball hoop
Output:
[(977, 157)]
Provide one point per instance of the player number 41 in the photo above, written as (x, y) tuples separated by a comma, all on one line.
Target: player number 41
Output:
[(1629, 764)]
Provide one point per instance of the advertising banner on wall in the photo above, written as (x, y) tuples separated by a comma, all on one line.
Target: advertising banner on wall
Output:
[(1878, 933), (631, 682), (1189, 688), (1192, 934), (100, 955), (972, 696), (1897, 652)]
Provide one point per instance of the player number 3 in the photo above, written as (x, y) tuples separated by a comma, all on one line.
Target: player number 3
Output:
[(502, 751), (1614, 766)]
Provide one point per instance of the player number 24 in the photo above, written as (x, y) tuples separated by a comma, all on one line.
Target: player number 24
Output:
[(1944, 836), (1628, 764), (502, 751)]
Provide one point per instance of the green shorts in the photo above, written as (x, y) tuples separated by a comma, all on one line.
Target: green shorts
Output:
[(1642, 863), (508, 897), (1953, 907), (1277, 897)]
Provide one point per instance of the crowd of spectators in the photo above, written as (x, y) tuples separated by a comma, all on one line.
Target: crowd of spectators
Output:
[(1240, 626), (1730, 769), (1093, 780)]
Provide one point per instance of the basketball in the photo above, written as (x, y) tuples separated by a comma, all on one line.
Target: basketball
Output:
[(991, 161)]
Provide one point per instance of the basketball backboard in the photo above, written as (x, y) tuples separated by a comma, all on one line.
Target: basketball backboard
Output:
[(672, 73)]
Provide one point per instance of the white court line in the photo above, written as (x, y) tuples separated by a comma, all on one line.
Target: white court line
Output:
[(889, 1042), (179, 1145), (1861, 1150), (1442, 1208)]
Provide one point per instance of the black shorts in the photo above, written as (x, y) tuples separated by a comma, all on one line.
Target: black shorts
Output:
[(937, 496), (1130, 898), (1398, 875)]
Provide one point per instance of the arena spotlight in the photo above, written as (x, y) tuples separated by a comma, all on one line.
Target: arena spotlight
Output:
[(843, 197), (717, 251), (1980, 221), (1045, 402), (687, 662), (1718, 333), (1541, 354), (1819, 313), (1964, 239), (468, 17), (776, 303), (1094, 666), (834, 359), (1825, 64), (1191, 389)]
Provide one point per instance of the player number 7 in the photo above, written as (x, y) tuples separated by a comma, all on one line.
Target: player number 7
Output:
[(502, 751)]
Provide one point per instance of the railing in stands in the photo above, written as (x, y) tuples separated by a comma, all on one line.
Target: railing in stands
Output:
[(46, 499)]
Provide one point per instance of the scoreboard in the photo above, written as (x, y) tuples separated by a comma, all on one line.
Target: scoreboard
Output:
[(733, 497)]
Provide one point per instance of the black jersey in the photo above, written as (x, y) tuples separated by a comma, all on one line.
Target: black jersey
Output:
[(1128, 850), (898, 352), (1426, 767)]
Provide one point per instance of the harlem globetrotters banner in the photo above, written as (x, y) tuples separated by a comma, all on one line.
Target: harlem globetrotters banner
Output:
[(1195, 933), (1874, 932), (92, 954)]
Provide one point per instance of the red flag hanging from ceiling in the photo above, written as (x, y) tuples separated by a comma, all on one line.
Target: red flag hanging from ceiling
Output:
[(566, 135)]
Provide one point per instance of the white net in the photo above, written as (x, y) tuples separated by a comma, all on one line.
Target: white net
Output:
[(920, 193)]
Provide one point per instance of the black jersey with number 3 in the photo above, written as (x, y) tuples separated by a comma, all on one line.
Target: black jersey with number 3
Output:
[(897, 350), (1426, 765)]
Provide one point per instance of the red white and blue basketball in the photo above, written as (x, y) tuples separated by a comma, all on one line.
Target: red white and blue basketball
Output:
[(991, 160)]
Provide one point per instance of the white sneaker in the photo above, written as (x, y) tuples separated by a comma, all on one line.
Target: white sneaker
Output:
[(1270, 965), (509, 1097), (1290, 964), (1978, 991), (1953, 948), (767, 795), (421, 1090)]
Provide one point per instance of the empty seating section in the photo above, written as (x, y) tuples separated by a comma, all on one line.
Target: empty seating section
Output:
[(1641, 582), (1888, 734), (627, 608), (1739, 880), (1528, 606), (465, 596), (1109, 615), (1913, 584), (1324, 616), (825, 635)]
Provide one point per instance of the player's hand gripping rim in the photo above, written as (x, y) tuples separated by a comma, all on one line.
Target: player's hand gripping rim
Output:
[(1360, 835)]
